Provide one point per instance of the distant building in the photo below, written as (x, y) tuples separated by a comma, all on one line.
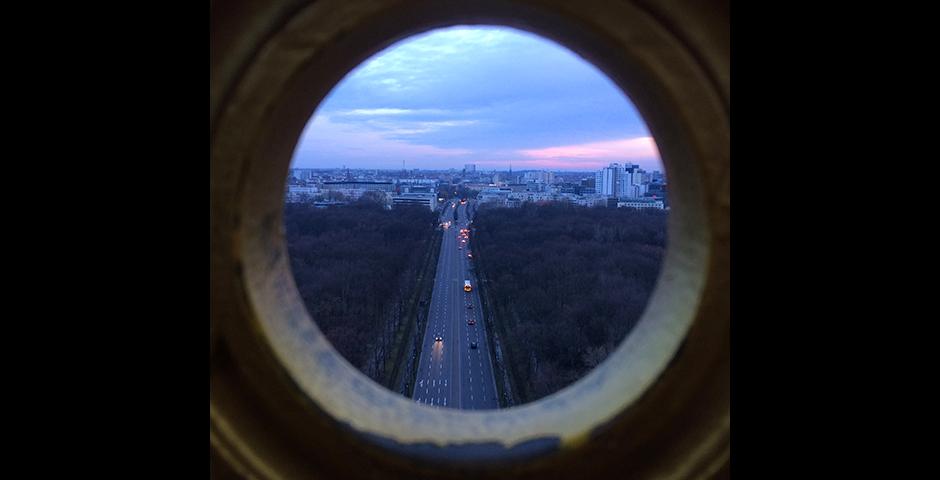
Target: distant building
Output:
[(641, 203), (633, 191), (470, 168), (426, 200), (329, 203), (591, 200), (536, 187), (494, 196), (607, 181), (476, 185), (540, 177), (412, 188), (301, 193), (629, 176), (657, 191), (623, 181), (354, 189), (301, 173), (417, 181), (358, 185)]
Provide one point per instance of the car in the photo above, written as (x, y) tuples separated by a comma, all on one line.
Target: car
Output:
[(438, 338), (470, 305), (471, 322), (473, 345)]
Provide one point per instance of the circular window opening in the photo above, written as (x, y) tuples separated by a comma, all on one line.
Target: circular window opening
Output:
[(476, 217)]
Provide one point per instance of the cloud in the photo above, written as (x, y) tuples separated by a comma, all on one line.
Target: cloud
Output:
[(373, 112), (594, 155), (325, 143), (414, 127), (426, 50), (476, 95), (622, 149), (411, 65), (398, 121)]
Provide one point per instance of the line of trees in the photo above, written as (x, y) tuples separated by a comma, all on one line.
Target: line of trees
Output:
[(354, 267), (569, 282)]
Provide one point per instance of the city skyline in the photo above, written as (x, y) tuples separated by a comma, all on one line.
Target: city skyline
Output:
[(448, 170), (490, 96)]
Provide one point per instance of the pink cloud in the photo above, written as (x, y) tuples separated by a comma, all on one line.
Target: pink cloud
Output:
[(639, 147), (595, 154)]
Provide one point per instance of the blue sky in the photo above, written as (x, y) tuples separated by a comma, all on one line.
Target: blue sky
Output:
[(483, 95)]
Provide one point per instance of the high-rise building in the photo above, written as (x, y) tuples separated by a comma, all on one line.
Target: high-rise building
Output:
[(623, 181), (470, 168), (608, 181), (632, 177)]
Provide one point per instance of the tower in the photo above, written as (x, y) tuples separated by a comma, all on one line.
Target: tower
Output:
[(510, 172)]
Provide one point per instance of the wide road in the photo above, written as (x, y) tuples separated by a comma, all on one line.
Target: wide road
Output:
[(451, 374)]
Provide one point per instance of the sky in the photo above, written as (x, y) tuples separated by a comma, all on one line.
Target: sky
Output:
[(489, 96)]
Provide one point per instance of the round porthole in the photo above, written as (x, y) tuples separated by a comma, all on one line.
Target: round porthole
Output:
[(282, 402), (536, 145)]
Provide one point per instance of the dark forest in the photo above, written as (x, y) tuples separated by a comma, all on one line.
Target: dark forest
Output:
[(355, 267), (569, 283)]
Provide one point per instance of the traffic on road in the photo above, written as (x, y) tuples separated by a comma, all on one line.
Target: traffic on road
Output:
[(455, 369)]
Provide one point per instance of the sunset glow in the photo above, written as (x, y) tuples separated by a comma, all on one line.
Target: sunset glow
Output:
[(491, 96)]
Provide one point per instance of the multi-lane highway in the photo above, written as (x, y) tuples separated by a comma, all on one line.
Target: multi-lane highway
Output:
[(451, 372)]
